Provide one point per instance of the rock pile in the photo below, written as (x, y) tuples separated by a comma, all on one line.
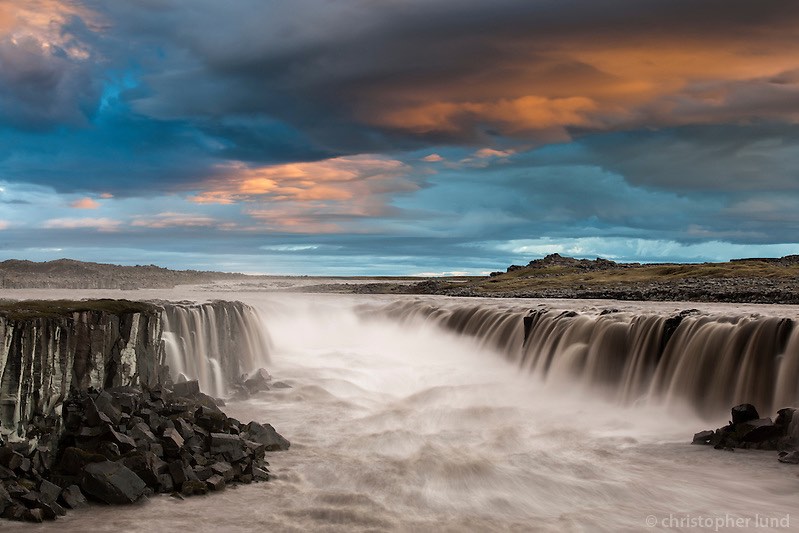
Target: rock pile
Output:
[(749, 431), (121, 444)]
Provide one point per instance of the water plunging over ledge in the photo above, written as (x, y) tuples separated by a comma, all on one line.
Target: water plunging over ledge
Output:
[(400, 424)]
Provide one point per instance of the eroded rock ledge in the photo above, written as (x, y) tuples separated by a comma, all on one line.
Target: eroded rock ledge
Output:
[(88, 409), (122, 444)]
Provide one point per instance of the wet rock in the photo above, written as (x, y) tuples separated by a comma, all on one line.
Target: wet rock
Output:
[(10, 458), (146, 465), (15, 511), (203, 472), (215, 482), (195, 444), (744, 413), (784, 418), (186, 388), (74, 460), (165, 483), (209, 419), (73, 498), (6, 473), (124, 442), (51, 510), (49, 491), (258, 381), (223, 442), (105, 404), (281, 385), (266, 435), (171, 441), (260, 474), (127, 399), (141, 433), (759, 430), (34, 515), (112, 483), (703, 437), (5, 499), (223, 469), (194, 488), (180, 473), (789, 457)]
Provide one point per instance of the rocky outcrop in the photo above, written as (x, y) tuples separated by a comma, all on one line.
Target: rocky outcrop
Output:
[(122, 444), (50, 348), (748, 430)]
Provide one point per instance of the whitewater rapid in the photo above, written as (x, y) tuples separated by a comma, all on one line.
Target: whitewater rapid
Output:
[(404, 426)]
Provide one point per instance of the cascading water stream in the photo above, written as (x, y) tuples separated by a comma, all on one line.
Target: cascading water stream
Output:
[(710, 362), (214, 343)]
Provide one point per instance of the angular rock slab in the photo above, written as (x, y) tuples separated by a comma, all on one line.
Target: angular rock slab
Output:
[(112, 483)]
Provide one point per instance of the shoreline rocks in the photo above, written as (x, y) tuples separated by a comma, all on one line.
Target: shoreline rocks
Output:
[(747, 430), (122, 444)]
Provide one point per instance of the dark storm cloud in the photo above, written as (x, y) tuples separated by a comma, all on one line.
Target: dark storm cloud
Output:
[(361, 76)]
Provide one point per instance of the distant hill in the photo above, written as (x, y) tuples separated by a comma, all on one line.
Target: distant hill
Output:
[(758, 280), (71, 274)]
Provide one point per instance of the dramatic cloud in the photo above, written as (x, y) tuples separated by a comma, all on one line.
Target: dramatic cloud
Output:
[(418, 136), (45, 67)]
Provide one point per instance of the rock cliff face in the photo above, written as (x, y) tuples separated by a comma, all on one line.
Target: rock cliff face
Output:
[(42, 358), (50, 348)]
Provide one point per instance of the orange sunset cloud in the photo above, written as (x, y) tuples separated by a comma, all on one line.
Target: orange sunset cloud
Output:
[(338, 179)]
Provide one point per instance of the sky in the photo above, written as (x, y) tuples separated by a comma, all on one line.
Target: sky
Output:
[(359, 137)]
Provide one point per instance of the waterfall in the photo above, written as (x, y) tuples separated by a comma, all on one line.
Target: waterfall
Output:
[(214, 343), (710, 362)]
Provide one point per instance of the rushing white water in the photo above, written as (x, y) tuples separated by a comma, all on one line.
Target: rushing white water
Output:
[(709, 361), (214, 343), (406, 426)]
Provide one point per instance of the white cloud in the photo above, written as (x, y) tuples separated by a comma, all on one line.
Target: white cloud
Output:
[(100, 224)]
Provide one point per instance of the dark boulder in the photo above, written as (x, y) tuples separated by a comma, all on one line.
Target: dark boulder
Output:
[(180, 473), (223, 469), (5, 499), (215, 482), (265, 434), (759, 430), (74, 460), (744, 413), (171, 441), (212, 420), (258, 381), (73, 498), (112, 483), (186, 389), (146, 465), (784, 417), (105, 403), (49, 491), (703, 437), (223, 442), (791, 458), (194, 487)]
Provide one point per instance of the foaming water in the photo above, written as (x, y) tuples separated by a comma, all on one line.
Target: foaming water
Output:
[(402, 425), (709, 361), (214, 343)]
